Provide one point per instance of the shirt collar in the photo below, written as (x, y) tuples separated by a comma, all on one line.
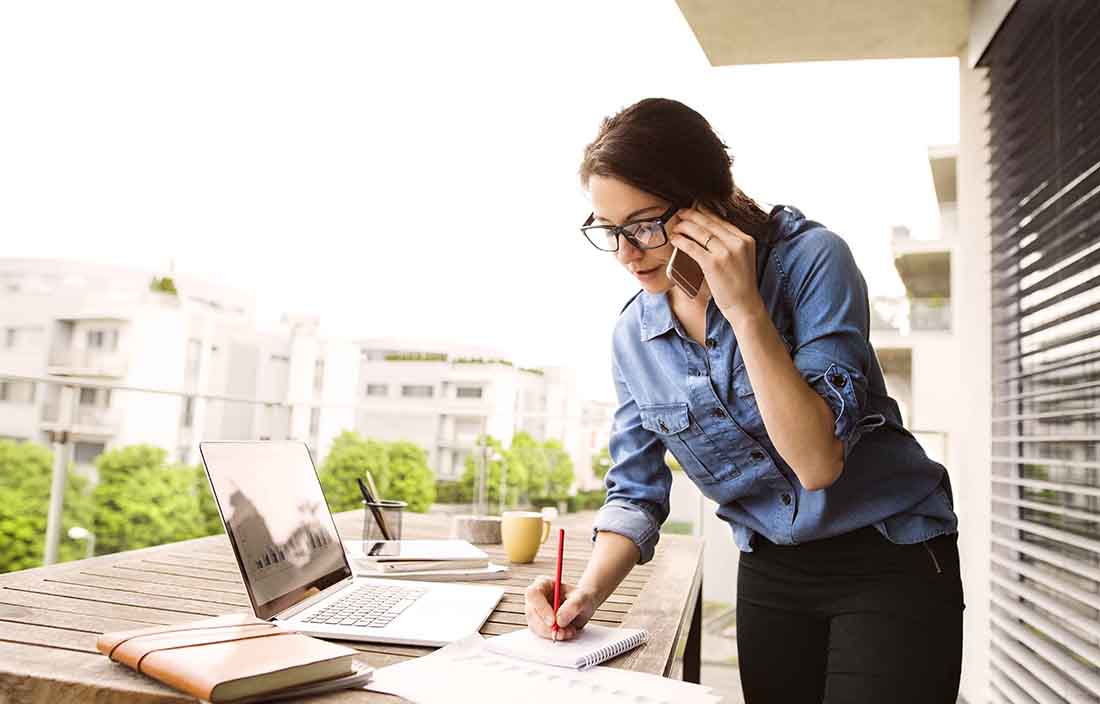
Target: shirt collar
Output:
[(656, 315)]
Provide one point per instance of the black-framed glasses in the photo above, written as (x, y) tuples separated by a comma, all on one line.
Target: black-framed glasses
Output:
[(644, 234)]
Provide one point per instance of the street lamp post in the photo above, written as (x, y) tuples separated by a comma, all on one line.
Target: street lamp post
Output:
[(79, 533)]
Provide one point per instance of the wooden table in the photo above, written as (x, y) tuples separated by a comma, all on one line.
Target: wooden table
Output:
[(50, 616)]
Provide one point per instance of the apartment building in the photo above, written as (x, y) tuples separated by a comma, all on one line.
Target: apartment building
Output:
[(103, 353), (114, 329), (915, 335)]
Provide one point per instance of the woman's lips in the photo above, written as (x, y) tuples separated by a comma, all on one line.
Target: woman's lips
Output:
[(648, 273)]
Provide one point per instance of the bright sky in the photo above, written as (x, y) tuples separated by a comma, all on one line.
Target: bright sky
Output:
[(409, 169)]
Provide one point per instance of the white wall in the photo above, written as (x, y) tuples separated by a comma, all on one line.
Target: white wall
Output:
[(972, 458), (155, 344)]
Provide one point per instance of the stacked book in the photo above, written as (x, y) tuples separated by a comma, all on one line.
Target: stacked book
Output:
[(423, 560), (236, 659)]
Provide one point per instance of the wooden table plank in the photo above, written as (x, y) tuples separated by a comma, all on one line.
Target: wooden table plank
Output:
[(51, 616), (14, 595)]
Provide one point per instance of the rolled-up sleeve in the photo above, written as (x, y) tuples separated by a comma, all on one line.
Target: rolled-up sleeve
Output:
[(831, 324), (639, 480)]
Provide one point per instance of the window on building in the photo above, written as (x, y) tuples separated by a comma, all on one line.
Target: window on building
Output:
[(377, 390), (417, 391), (318, 376), (87, 397), (314, 420), (187, 415), (95, 339), (469, 392), (194, 360), (459, 465), (86, 452), (10, 337), (17, 391), (374, 355)]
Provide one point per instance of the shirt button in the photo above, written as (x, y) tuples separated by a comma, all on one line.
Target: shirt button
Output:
[(718, 413), (662, 426), (756, 455), (694, 372), (838, 380), (786, 499), (712, 343)]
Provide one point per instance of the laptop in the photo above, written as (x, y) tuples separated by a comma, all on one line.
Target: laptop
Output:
[(293, 563)]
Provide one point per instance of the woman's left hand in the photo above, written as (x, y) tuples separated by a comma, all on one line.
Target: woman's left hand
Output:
[(728, 261)]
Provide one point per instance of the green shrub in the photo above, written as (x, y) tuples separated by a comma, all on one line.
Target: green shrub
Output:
[(451, 492), (400, 470), (587, 500), (601, 462), (26, 473), (411, 480), (163, 285), (515, 479), (349, 459), (141, 500), (677, 527)]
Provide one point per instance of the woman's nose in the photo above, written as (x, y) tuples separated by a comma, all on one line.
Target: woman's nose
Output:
[(627, 251)]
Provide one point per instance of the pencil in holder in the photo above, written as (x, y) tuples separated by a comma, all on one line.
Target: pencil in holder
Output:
[(389, 513)]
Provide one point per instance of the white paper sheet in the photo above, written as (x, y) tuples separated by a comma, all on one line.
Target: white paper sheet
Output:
[(465, 672)]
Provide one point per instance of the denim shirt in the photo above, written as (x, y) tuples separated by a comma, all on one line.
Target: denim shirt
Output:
[(698, 403)]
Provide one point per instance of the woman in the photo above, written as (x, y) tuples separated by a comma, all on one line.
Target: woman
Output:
[(766, 390)]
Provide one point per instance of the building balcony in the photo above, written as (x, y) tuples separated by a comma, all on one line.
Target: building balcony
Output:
[(87, 420), (901, 316), (929, 314), (88, 363), (458, 441)]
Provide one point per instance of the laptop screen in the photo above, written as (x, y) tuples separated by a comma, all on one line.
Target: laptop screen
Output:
[(277, 521)]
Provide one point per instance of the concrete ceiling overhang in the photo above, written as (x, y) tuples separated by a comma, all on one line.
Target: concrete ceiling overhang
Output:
[(735, 32), (925, 274)]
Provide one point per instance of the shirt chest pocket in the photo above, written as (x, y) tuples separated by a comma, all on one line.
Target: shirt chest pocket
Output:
[(687, 442), (745, 411)]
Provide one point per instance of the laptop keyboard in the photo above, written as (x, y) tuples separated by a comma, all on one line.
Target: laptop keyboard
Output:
[(370, 605)]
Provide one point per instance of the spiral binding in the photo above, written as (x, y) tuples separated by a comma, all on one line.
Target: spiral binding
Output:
[(609, 651)]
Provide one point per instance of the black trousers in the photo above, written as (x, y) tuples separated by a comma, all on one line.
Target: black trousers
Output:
[(850, 619)]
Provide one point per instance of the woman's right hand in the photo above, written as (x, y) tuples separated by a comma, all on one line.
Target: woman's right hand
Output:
[(576, 608)]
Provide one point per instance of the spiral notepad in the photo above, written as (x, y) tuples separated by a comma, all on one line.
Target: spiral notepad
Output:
[(592, 645)]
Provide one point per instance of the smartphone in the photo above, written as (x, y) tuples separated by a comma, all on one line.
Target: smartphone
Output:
[(685, 273)]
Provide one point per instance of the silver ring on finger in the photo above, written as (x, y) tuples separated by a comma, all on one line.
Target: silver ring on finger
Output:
[(708, 242)]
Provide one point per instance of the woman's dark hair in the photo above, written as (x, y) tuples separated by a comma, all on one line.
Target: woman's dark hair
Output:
[(665, 148)]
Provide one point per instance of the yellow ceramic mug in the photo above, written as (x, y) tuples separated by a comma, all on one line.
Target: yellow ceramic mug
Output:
[(522, 533)]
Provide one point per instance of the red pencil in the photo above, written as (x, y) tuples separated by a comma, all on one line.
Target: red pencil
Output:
[(557, 583)]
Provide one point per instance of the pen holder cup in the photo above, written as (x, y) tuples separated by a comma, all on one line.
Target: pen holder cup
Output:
[(389, 512)]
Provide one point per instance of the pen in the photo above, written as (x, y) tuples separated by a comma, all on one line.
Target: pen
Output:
[(373, 487), (557, 583), (371, 504)]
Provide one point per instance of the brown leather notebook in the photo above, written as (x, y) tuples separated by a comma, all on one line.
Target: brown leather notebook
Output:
[(228, 658)]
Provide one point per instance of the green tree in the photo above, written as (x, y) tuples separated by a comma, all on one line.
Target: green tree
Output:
[(526, 451), (349, 459), (601, 463), (515, 481), (561, 469), (141, 500), (26, 473), (411, 480)]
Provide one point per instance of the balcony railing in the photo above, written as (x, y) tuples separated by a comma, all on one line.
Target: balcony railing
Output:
[(87, 420), (930, 314), (905, 315), (88, 363)]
